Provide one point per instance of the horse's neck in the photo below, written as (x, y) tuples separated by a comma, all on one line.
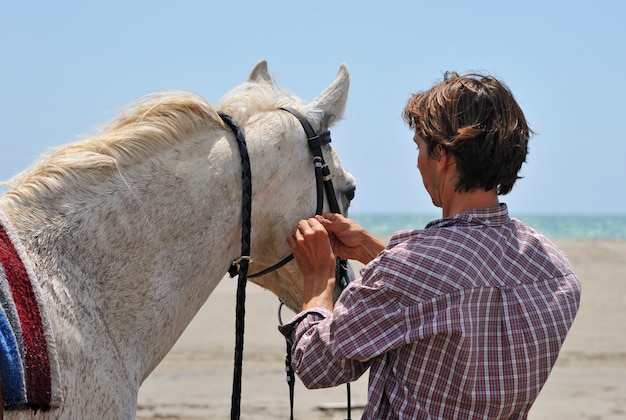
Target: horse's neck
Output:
[(145, 255), (145, 247)]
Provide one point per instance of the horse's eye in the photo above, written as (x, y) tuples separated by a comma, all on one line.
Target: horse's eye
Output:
[(350, 194)]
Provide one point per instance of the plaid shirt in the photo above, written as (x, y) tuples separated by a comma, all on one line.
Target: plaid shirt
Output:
[(463, 319)]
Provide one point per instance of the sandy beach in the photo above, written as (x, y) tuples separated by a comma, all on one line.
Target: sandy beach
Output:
[(194, 381)]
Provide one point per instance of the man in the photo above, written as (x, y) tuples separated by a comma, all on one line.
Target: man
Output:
[(463, 319)]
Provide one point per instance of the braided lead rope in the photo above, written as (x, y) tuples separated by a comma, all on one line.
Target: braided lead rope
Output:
[(246, 227)]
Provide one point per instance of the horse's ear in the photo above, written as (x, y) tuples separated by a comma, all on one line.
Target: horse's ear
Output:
[(332, 101), (260, 73)]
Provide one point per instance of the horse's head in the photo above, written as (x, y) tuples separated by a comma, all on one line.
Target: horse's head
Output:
[(283, 177)]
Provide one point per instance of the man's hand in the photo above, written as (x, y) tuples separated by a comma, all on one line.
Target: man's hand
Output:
[(349, 239), (311, 248)]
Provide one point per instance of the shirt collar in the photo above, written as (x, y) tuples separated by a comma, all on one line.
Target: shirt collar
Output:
[(493, 216)]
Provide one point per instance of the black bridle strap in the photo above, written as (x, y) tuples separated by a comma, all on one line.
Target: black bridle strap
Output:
[(315, 144), (272, 268), (323, 182)]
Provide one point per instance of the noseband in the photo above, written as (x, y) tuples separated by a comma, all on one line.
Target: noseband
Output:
[(343, 273)]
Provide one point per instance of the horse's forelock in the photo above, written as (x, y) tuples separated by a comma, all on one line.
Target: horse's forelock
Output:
[(154, 122)]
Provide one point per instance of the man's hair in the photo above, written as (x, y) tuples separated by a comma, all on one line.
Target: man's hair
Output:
[(476, 118)]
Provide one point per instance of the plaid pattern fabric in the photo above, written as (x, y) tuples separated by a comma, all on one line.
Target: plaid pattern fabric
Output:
[(463, 319)]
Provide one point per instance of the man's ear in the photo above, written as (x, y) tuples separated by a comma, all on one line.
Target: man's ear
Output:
[(442, 157)]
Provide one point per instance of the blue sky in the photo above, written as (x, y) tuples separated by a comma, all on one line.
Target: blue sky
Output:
[(68, 67)]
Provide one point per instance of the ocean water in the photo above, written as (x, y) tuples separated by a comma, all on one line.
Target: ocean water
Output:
[(552, 226)]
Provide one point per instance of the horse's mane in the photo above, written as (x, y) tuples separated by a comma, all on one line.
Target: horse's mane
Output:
[(153, 123)]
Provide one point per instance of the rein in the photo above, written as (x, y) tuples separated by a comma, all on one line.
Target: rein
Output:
[(242, 262), (239, 267)]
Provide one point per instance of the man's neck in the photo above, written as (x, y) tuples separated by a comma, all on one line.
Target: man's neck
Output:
[(460, 202)]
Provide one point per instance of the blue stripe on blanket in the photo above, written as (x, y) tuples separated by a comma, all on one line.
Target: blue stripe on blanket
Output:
[(13, 387)]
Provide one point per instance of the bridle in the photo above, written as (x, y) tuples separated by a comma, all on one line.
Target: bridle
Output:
[(343, 272), (323, 183)]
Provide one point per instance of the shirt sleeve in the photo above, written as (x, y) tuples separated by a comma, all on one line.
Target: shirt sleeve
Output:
[(331, 348), (312, 353)]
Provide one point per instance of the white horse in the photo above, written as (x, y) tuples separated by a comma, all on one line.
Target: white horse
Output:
[(129, 232)]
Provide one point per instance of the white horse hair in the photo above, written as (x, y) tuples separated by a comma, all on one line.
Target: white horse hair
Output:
[(131, 230)]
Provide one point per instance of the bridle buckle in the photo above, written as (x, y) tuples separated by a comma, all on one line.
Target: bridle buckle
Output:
[(235, 266)]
